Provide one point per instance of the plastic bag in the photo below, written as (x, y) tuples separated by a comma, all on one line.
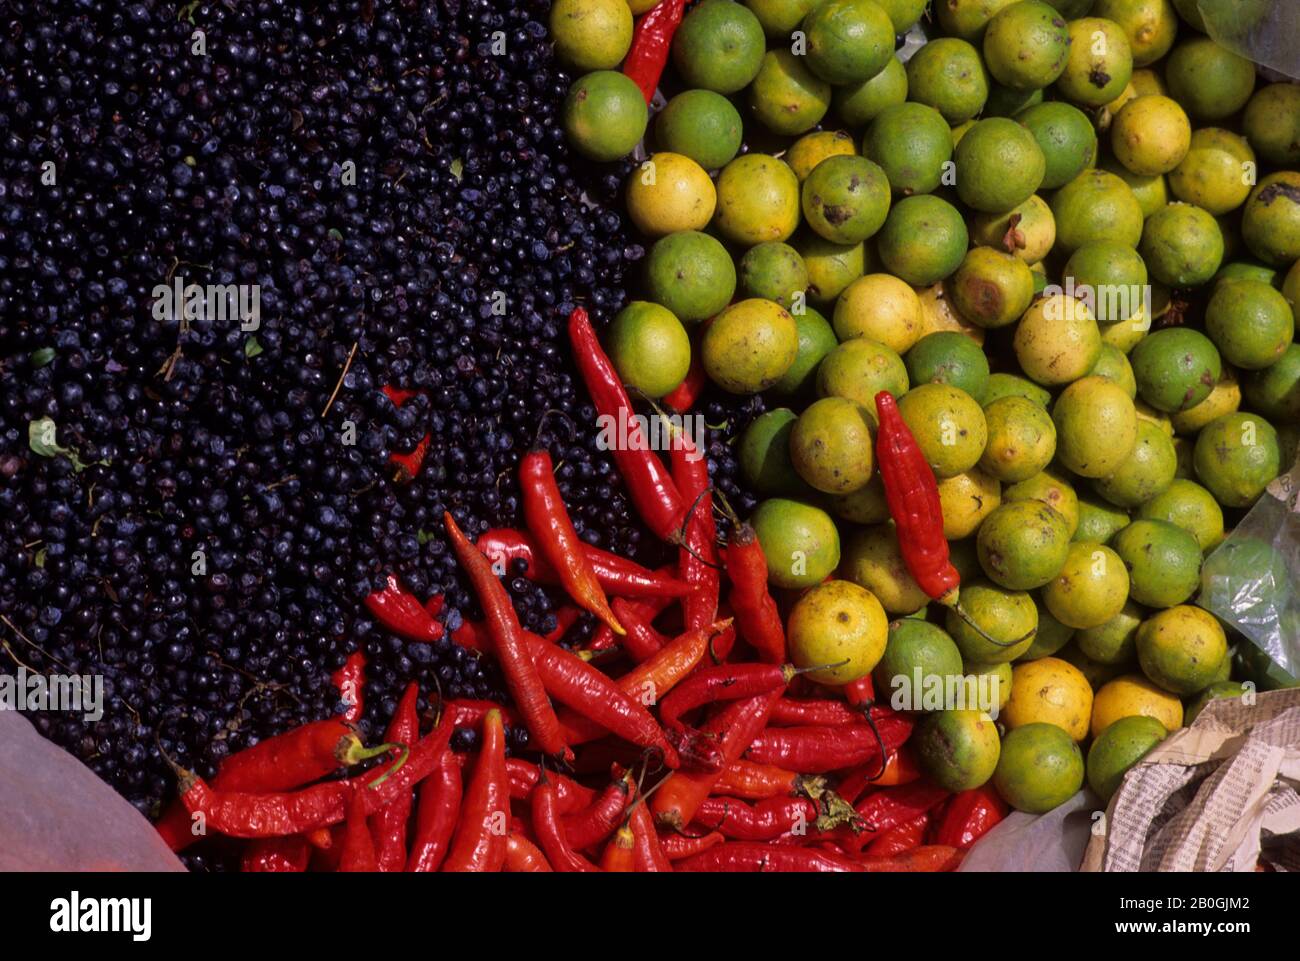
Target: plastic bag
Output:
[(1264, 31), (1252, 580)]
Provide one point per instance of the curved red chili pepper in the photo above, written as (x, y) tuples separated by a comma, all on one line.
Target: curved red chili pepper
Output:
[(819, 750), (436, 816), (525, 775), (683, 397), (729, 682), (900, 838), (678, 846), (289, 855), (600, 819), (752, 603), (358, 843), (479, 843), (402, 613), (388, 824), (350, 679), (524, 857), (550, 832), (764, 821), (521, 674), (617, 575), (650, 44), (651, 489), (970, 815), (648, 853)]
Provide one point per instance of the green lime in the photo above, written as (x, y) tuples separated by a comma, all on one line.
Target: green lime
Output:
[(1022, 439), (1118, 748), (1164, 562), (1100, 63), (1115, 641), (1188, 505), (691, 274), (591, 34), (1217, 172), (604, 115), (1182, 246), (811, 149), (1270, 224), (1216, 690), (1181, 648), (1211, 81), (858, 369), (999, 165), (702, 125), (831, 445), (1236, 457), (758, 199), (1027, 45), (948, 425), (949, 357), (1111, 276), (858, 104), (958, 750), (719, 46), (948, 75), (912, 144), (1008, 102), (1066, 137), (799, 541), (1275, 391), (1250, 322), (923, 241), (968, 19), (1096, 206), (914, 651), (991, 289), (1010, 385), (873, 559), (1099, 521), (1023, 545), (848, 41), (1148, 471), (1176, 368), (764, 455), (816, 340), (1040, 768), (750, 346), (1113, 365), (846, 199), (780, 17), (649, 347), (786, 96), (1007, 621), (1050, 637), (837, 623), (1272, 124), (831, 266), (773, 271), (1149, 25)]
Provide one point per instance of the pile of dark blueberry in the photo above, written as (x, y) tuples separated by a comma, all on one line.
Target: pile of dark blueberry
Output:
[(390, 176)]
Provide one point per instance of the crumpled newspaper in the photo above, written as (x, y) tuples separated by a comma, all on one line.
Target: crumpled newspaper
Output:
[(55, 815), (1220, 795)]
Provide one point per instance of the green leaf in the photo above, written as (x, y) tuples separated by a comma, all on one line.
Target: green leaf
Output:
[(251, 347), (423, 537), (42, 357), (40, 557), (42, 439), (335, 234), (457, 169)]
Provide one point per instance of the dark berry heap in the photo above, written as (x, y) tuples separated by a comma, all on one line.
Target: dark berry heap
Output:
[(399, 189)]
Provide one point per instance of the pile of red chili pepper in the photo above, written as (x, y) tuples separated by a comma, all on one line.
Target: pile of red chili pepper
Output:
[(677, 739)]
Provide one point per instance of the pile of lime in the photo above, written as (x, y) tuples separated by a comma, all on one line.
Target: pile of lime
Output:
[(1065, 236)]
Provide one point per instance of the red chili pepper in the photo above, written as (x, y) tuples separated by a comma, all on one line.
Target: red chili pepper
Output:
[(649, 854), (350, 679), (756, 782), (735, 727), (640, 640), (434, 605), (821, 712), (617, 575), (574, 682), (679, 846), (900, 838), (650, 44), (892, 806), (648, 681), (651, 489), (409, 464), (860, 693), (600, 819), (729, 682), (643, 609), (764, 821), (619, 856), (436, 816), (289, 855), (683, 397), (521, 674), (398, 395), (470, 713), (969, 816), (358, 843), (819, 750), (280, 763), (755, 856), (480, 840), (402, 613), (245, 815), (565, 617), (927, 858), (524, 777), (755, 609), (548, 520), (524, 857), (697, 560), (913, 497), (550, 831), (388, 824), (900, 767)]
